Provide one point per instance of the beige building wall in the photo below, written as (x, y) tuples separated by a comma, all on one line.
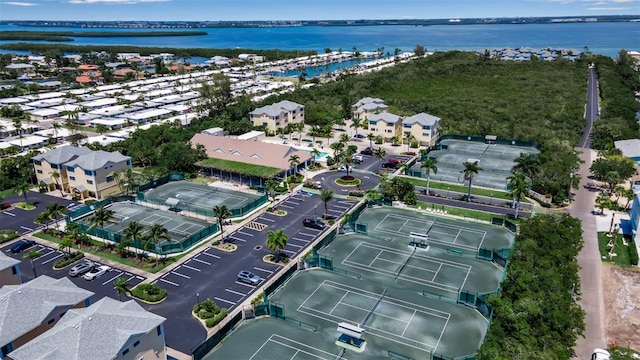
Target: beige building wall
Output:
[(151, 347), (44, 171), (7, 277), (424, 137), (101, 184), (383, 129)]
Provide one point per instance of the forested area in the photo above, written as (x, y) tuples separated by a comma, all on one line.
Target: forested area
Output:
[(536, 315), (69, 35), (617, 84)]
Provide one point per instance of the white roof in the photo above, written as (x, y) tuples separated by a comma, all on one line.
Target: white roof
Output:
[(46, 95), (109, 122), (61, 133), (45, 112), (112, 110), (250, 135), (100, 102), (5, 145), (14, 100), (28, 141), (102, 140), (630, 148), (148, 126), (146, 114)]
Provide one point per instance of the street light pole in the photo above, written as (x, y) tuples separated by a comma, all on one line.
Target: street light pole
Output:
[(198, 298), (570, 185), (491, 199), (448, 188)]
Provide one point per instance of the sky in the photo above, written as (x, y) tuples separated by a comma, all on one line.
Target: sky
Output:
[(230, 10)]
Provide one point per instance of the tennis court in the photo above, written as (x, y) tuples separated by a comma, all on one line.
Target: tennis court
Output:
[(179, 227), (495, 160), (393, 223), (396, 322), (197, 197)]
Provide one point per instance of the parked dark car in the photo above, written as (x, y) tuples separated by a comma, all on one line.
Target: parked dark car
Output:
[(5, 205), (367, 151), (389, 165), (22, 245), (313, 223)]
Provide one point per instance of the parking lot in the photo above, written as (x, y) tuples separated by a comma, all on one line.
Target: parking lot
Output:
[(212, 273), (21, 220), (102, 286)]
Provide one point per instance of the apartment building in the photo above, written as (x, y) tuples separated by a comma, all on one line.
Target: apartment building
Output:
[(9, 271), (423, 127), (385, 125), (278, 115), (368, 106)]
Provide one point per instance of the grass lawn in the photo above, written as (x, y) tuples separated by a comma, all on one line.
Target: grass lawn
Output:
[(621, 353), (115, 257), (497, 194), (241, 168), (621, 250), (5, 193)]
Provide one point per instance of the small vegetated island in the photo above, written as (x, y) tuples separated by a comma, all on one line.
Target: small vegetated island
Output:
[(69, 35)]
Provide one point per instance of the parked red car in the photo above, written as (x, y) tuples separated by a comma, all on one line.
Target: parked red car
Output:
[(5, 205), (394, 161)]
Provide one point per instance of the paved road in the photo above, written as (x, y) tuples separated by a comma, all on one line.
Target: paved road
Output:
[(589, 258), (22, 221)]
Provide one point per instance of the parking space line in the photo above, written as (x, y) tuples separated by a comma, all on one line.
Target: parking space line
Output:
[(181, 275), (288, 251), (131, 278), (243, 284), (236, 238), (43, 255), (265, 270), (213, 256), (265, 219), (291, 202), (110, 280), (244, 233), (235, 292), (201, 261), (191, 268), (312, 235), (8, 213), (298, 239), (169, 282), (336, 211), (53, 258), (223, 300), (294, 245), (139, 277), (286, 207)]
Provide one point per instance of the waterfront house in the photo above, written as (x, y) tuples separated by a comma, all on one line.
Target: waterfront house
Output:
[(9, 270), (278, 115), (386, 125), (368, 106), (28, 310), (423, 127), (108, 329)]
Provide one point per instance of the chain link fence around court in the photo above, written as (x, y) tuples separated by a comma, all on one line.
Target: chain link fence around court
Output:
[(194, 207)]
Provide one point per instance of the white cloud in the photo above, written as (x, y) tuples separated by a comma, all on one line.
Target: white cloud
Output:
[(608, 8), (19, 3), (113, 1)]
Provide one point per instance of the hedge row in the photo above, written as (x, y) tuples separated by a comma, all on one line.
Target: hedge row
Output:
[(8, 235), (216, 319), (633, 254), (149, 292), (68, 260)]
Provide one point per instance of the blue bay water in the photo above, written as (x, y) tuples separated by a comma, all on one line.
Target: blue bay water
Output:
[(602, 38)]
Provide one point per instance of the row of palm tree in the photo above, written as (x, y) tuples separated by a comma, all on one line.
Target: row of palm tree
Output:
[(53, 212)]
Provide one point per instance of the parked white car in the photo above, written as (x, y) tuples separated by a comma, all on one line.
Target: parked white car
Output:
[(97, 272)]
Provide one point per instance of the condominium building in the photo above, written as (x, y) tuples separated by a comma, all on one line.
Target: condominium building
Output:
[(368, 106), (423, 127), (278, 115), (385, 125)]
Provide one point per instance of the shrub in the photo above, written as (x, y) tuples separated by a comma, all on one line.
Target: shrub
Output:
[(68, 260), (216, 243), (330, 161), (356, 193), (352, 149), (90, 201), (149, 292), (216, 319), (414, 145), (8, 235), (378, 140), (633, 254)]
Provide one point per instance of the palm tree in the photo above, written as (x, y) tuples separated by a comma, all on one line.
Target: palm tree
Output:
[(371, 136), (43, 219), (409, 137), (527, 164), (271, 185), (55, 210), (346, 160), (429, 164), (101, 215), (276, 240), (315, 153), (602, 201), (56, 127), (470, 169), (344, 138), (22, 188), (380, 153), (156, 234), (294, 161), (66, 243), (356, 123), (336, 147), (395, 140), (222, 213), (32, 254), (326, 195), (55, 175), (519, 184), (121, 286), (133, 231)]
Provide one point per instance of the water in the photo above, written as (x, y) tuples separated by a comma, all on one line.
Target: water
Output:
[(313, 71), (600, 37)]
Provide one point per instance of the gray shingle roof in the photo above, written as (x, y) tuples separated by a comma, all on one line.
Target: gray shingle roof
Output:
[(98, 332), (422, 119), (389, 118), (24, 307), (368, 100), (62, 154), (276, 109), (97, 159), (6, 262)]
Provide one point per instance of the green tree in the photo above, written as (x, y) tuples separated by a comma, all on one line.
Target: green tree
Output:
[(603, 200), (356, 123), (271, 185), (56, 177), (43, 219), (157, 233), (380, 154), (326, 195), (337, 147), (527, 164), (134, 232), (470, 169), (519, 184), (66, 243), (55, 211), (276, 240), (344, 138), (371, 136), (101, 215), (31, 255), (429, 164), (409, 137), (121, 286), (419, 50), (294, 161), (22, 188), (222, 213), (215, 95), (101, 129)]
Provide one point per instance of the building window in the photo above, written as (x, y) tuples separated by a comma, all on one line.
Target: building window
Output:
[(39, 171), (426, 127), (128, 162), (90, 182), (425, 134), (5, 350), (61, 315), (71, 169), (14, 269), (87, 302), (136, 343), (159, 330), (50, 321), (406, 126), (109, 179), (90, 173), (37, 162), (54, 166), (372, 122), (72, 178), (125, 352)]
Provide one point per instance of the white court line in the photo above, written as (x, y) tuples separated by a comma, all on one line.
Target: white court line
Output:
[(409, 322), (53, 258), (457, 236), (191, 268), (375, 258), (265, 270), (213, 256), (169, 282), (436, 273), (201, 261), (113, 278), (481, 241), (339, 302), (181, 275), (235, 292), (442, 333), (223, 300), (244, 233), (243, 284)]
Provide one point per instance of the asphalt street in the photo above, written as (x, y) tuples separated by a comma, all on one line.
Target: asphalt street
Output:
[(212, 273), (22, 220)]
